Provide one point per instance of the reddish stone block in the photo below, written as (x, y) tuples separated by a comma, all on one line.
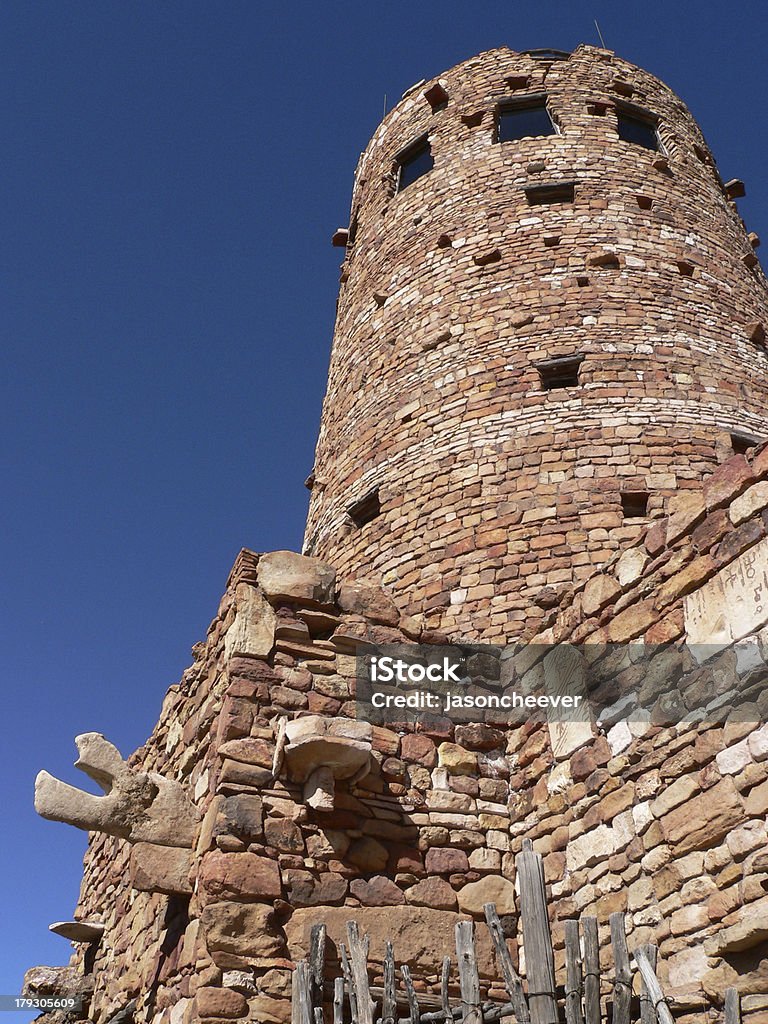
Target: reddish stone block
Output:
[(444, 861), (418, 749), (739, 540), (220, 1002), (239, 876), (728, 481), (378, 891)]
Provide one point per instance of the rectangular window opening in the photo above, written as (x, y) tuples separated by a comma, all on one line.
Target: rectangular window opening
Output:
[(638, 131), (524, 121), (562, 372), (414, 162), (741, 443), (634, 504), (366, 509), (544, 195), (547, 54)]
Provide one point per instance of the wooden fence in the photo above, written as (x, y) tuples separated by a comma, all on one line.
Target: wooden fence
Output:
[(356, 1001)]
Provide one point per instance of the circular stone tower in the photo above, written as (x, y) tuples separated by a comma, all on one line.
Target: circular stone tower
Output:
[(550, 320)]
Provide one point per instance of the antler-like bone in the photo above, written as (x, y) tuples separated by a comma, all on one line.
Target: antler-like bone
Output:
[(137, 806)]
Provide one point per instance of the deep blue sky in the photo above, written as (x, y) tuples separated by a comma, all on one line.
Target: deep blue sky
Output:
[(171, 175)]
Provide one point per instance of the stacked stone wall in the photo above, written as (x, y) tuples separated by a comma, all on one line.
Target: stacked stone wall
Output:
[(493, 489), (665, 823)]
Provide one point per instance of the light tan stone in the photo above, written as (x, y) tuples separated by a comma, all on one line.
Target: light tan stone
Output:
[(420, 935), (456, 759), (252, 631), (492, 889), (285, 575), (728, 607)]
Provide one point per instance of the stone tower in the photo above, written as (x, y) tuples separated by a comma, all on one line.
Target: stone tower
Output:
[(551, 332), (550, 321)]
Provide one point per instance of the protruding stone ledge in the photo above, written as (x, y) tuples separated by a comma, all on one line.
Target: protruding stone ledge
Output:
[(321, 750), (78, 931)]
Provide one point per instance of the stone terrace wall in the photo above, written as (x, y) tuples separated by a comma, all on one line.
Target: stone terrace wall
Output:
[(666, 824), (215, 933), (670, 823)]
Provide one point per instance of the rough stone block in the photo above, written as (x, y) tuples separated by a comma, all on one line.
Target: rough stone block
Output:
[(378, 891), (287, 576), (361, 597), (252, 631), (239, 875), (474, 896), (163, 869), (456, 759), (703, 821), (432, 892), (220, 1002), (244, 929)]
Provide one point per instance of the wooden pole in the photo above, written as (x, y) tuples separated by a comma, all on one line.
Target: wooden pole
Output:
[(573, 1013), (591, 970), (647, 1012), (338, 1001), (537, 939), (622, 985), (389, 1002), (511, 977), (469, 979), (358, 954), (444, 981), (300, 990), (491, 1012), (732, 1006), (317, 962), (410, 992), (347, 972), (295, 982), (654, 988)]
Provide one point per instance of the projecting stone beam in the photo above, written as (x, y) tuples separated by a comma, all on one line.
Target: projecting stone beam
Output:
[(137, 806), (78, 931), (320, 750)]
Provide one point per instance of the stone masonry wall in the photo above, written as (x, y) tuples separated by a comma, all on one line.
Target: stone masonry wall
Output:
[(492, 488), (667, 824)]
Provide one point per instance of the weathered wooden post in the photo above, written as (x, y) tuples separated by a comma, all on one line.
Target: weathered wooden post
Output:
[(622, 985), (537, 939), (573, 1014), (654, 988), (389, 1002), (511, 977), (317, 963), (469, 979), (338, 1001), (358, 954), (591, 970), (410, 994), (349, 983), (444, 981), (647, 1011)]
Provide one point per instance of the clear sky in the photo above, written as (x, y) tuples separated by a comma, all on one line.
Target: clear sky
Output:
[(171, 175)]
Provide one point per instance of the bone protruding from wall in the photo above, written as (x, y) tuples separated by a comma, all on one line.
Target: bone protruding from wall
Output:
[(137, 806)]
